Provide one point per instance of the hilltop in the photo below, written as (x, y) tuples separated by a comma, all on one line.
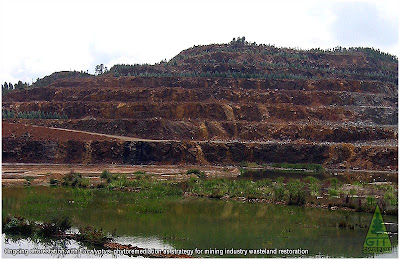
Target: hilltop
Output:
[(240, 59)]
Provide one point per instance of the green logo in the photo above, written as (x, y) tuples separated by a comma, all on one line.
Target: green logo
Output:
[(377, 240)]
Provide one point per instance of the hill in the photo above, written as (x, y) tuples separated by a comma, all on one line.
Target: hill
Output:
[(240, 59), (219, 104)]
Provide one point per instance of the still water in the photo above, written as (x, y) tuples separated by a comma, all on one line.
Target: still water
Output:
[(195, 223)]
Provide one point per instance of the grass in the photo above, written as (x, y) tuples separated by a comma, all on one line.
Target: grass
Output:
[(145, 190), (247, 169), (316, 168)]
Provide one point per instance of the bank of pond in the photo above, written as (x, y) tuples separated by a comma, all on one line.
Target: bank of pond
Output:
[(201, 214)]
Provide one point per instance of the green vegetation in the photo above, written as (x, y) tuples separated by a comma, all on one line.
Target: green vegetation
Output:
[(16, 225), (333, 192), (287, 63), (75, 180), (33, 115), (53, 182), (92, 236), (297, 194), (390, 198), (278, 191), (196, 172), (108, 176), (316, 168), (185, 222), (314, 185), (280, 169), (293, 191), (8, 87), (47, 80), (263, 61), (28, 180), (334, 182)]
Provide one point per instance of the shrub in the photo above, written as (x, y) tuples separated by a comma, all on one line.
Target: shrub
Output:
[(390, 198), (17, 225), (279, 191), (58, 226), (314, 185), (333, 192), (353, 192), (53, 182), (196, 172), (297, 195), (106, 175), (100, 186), (334, 182), (244, 164), (75, 180), (84, 183), (93, 236)]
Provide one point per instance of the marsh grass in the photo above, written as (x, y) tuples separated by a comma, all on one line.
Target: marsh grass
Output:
[(284, 169), (143, 194), (217, 188), (316, 168)]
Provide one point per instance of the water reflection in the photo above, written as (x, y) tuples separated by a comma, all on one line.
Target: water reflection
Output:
[(199, 223)]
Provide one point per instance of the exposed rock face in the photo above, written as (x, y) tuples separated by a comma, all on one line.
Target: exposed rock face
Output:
[(343, 115), (217, 153)]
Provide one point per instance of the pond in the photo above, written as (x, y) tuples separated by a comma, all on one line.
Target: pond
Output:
[(219, 226)]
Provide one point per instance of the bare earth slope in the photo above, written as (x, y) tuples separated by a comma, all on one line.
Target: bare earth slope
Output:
[(336, 109)]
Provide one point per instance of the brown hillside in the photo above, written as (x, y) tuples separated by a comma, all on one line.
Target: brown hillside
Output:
[(217, 104)]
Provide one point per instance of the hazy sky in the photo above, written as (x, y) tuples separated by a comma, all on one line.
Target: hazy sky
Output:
[(41, 37)]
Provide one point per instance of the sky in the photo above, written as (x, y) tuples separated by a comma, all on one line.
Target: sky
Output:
[(40, 37)]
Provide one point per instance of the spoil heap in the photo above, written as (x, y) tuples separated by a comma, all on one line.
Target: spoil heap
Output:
[(216, 104)]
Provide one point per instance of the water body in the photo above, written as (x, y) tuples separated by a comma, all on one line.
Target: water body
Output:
[(213, 227)]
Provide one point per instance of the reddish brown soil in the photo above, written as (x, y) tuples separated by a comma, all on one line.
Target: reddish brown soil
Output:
[(12, 130)]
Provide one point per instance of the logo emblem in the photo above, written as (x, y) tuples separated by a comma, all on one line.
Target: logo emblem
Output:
[(377, 240)]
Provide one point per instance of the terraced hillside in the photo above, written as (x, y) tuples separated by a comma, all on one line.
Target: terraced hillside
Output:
[(218, 104)]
